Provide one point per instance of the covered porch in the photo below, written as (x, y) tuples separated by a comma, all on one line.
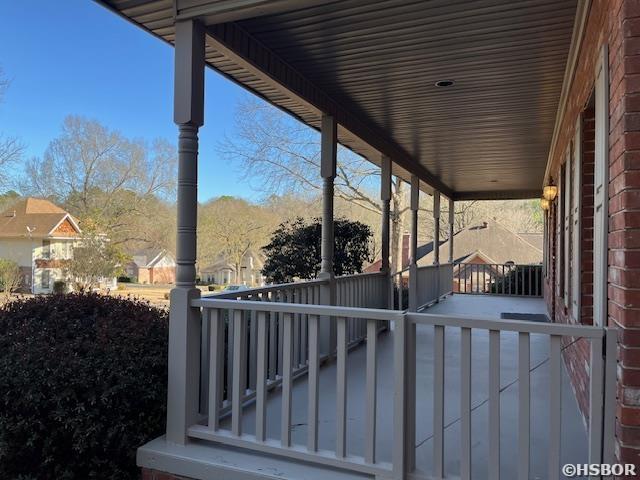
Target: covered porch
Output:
[(331, 377), (225, 458)]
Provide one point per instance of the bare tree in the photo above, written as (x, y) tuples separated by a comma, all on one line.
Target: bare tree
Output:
[(110, 182), (11, 149), (229, 228), (280, 155)]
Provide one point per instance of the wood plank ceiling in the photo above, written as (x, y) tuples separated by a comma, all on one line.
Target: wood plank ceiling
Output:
[(488, 135)]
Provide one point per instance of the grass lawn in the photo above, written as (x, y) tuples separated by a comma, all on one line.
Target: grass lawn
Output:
[(155, 294)]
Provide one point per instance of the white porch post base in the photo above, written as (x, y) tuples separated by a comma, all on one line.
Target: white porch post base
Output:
[(184, 364)]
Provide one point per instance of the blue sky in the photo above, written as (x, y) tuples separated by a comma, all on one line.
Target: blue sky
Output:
[(75, 57)]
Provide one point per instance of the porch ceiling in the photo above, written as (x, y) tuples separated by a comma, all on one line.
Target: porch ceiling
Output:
[(373, 64)]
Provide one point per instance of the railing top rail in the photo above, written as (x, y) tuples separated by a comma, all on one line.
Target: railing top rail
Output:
[(359, 275), (583, 331), (500, 264), (267, 288), (441, 264), (323, 310)]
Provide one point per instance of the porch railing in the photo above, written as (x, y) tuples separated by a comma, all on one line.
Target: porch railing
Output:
[(357, 290), (254, 435), (434, 281), (498, 279)]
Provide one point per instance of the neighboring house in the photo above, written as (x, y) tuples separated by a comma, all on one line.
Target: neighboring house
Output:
[(152, 266), (40, 237), (223, 272), (488, 242)]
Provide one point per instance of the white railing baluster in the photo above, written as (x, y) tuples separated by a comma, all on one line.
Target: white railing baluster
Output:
[(438, 402), (239, 370), (261, 381), (253, 332), (314, 383), (287, 360), (371, 387), (465, 403), (341, 387), (216, 364), (555, 391), (273, 341), (281, 299), (229, 380), (296, 331), (524, 410), (304, 322), (494, 404)]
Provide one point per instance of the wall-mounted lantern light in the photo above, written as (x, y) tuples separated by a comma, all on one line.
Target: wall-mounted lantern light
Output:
[(545, 204), (549, 192)]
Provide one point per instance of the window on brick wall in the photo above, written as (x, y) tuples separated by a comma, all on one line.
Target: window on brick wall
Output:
[(566, 231), (559, 276), (576, 212)]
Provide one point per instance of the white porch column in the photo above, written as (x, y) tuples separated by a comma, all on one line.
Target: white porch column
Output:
[(436, 227), (385, 197), (451, 222), (436, 239), (410, 340), (413, 246), (184, 321), (328, 154)]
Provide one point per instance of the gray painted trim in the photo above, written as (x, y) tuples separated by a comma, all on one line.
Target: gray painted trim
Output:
[(579, 26), (497, 195)]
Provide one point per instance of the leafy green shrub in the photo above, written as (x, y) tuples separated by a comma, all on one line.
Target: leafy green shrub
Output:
[(82, 385), (124, 279)]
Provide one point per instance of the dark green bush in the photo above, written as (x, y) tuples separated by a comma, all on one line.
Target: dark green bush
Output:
[(59, 286), (82, 385), (124, 279)]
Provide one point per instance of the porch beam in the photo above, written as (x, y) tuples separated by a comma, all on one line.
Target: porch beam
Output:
[(234, 10), (436, 227), (235, 43), (495, 195), (184, 319), (452, 215)]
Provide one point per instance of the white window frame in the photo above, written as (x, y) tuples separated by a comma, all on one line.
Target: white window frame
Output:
[(559, 276), (566, 230), (576, 237), (601, 190)]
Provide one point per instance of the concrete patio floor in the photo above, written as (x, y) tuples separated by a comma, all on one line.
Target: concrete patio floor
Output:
[(574, 438)]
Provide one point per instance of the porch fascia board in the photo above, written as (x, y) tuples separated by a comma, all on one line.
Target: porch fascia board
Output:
[(240, 47), (579, 26), (496, 195)]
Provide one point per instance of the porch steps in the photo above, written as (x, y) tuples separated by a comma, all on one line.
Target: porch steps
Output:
[(207, 461)]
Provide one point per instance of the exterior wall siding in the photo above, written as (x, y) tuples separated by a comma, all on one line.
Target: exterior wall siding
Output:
[(615, 23)]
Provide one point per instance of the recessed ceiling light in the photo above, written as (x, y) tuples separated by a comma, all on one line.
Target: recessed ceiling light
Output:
[(445, 83)]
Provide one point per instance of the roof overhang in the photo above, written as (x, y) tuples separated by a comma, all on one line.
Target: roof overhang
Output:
[(373, 65)]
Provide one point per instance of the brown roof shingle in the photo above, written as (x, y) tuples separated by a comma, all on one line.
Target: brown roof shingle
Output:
[(39, 215)]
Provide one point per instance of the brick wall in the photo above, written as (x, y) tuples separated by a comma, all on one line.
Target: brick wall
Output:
[(624, 223), (616, 23)]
